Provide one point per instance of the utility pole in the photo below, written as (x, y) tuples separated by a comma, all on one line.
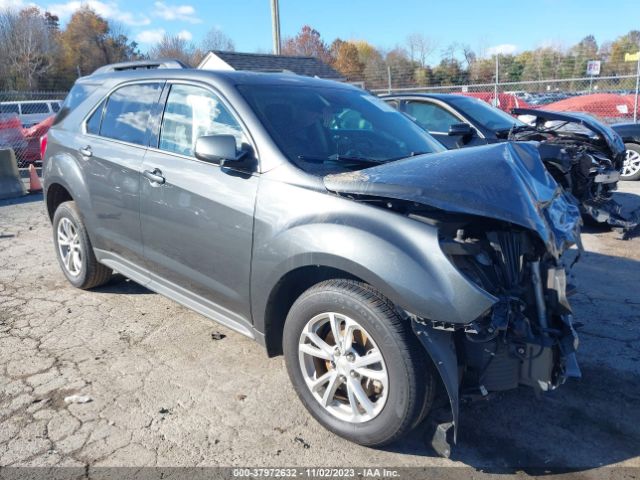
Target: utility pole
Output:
[(275, 26), (635, 102), (495, 88)]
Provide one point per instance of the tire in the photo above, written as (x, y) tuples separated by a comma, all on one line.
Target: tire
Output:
[(407, 386), (632, 171), (84, 272)]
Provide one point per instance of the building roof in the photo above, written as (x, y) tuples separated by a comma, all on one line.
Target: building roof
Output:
[(259, 62)]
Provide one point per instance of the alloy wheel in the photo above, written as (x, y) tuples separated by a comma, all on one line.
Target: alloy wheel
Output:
[(343, 367), (631, 164), (69, 246)]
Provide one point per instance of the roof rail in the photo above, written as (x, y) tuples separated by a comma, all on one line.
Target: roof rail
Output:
[(140, 65)]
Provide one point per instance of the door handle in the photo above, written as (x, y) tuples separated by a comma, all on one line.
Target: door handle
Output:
[(86, 151), (154, 176)]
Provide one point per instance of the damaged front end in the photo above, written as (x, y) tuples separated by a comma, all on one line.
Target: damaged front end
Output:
[(510, 232), (528, 336), (585, 157)]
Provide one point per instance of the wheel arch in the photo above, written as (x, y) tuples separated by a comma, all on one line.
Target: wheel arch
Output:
[(284, 294), (56, 194)]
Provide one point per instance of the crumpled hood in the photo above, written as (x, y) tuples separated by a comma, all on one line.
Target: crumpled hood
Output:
[(611, 138), (504, 181)]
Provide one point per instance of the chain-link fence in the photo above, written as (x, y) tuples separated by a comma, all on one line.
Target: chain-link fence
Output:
[(609, 93), (607, 98)]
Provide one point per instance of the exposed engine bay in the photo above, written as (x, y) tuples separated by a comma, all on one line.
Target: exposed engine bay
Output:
[(528, 338), (585, 157)]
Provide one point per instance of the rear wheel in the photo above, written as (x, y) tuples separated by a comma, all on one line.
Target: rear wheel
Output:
[(631, 167), (74, 250), (355, 364)]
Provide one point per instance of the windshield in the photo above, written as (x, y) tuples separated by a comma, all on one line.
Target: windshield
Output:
[(327, 130), (484, 114)]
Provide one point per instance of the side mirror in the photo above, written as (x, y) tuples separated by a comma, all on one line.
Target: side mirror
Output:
[(218, 149), (461, 129)]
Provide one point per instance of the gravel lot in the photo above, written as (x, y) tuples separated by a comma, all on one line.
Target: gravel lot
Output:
[(164, 392)]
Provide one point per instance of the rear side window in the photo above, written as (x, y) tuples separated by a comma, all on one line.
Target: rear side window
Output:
[(55, 107), (10, 108), (127, 112), (34, 108), (93, 124)]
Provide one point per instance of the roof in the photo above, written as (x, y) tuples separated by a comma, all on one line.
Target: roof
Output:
[(259, 62), (229, 77)]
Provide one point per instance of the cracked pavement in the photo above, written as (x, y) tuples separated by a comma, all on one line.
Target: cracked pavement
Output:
[(167, 390)]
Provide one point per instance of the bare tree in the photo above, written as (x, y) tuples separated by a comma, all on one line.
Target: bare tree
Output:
[(27, 46), (176, 47), (420, 48), (216, 39)]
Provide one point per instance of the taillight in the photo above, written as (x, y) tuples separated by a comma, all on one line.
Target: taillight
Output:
[(43, 146)]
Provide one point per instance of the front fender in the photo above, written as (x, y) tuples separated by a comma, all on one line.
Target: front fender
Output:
[(399, 256)]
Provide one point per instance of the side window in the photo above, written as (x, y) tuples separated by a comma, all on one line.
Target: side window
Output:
[(127, 112), (34, 108), (192, 112), (10, 108), (431, 117), (93, 123), (55, 107)]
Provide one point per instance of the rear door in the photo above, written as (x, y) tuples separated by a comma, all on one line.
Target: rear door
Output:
[(197, 217), (116, 135)]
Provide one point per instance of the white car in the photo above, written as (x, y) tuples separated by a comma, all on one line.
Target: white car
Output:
[(31, 112)]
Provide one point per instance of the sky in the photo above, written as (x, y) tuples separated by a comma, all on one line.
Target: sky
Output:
[(488, 26)]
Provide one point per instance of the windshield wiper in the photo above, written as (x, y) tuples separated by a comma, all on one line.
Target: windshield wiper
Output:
[(361, 160), (340, 159), (412, 154)]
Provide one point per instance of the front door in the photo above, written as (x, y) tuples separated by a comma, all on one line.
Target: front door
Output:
[(436, 119), (197, 217)]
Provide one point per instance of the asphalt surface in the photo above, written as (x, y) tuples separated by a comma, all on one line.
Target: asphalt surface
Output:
[(168, 387)]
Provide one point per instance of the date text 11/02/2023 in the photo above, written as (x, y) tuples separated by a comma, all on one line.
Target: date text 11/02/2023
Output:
[(310, 472)]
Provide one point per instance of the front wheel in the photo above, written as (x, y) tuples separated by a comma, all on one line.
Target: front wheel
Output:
[(631, 166), (355, 364)]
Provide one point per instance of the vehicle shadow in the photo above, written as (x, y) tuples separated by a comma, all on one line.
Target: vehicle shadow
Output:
[(123, 285), (586, 423)]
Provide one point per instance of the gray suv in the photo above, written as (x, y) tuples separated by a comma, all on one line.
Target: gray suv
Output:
[(316, 219)]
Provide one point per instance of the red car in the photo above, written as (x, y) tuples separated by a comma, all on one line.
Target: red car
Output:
[(12, 135), (32, 136)]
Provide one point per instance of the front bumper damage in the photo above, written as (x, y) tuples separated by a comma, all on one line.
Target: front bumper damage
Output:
[(586, 158), (542, 362), (611, 212)]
